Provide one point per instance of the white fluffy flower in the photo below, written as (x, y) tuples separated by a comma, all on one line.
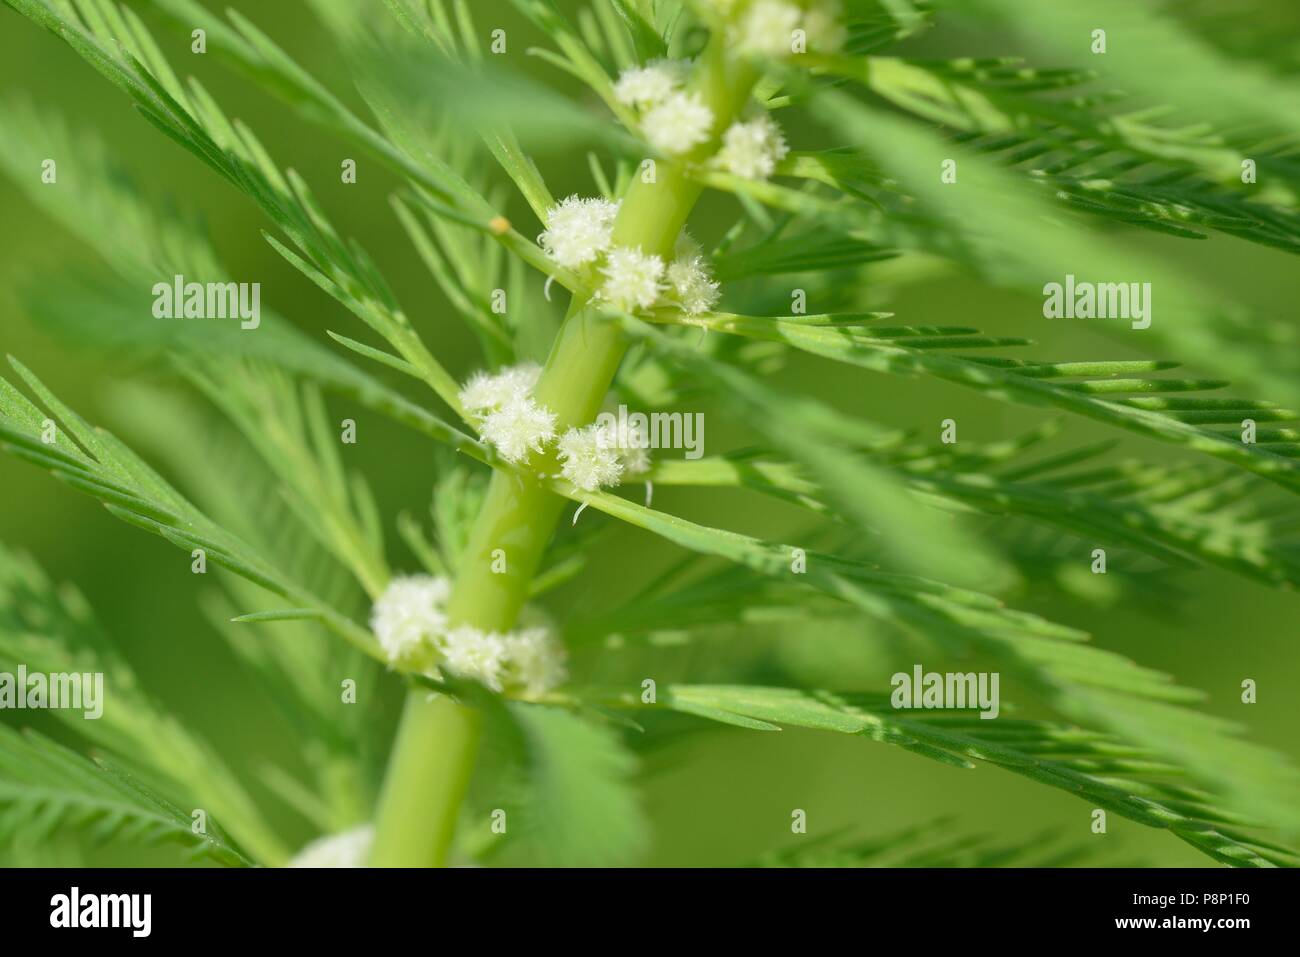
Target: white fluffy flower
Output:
[(631, 440), (408, 618), (534, 661), (470, 652), (633, 279), (410, 621), (578, 230), (589, 459), (346, 849), (507, 415), (767, 28), (518, 427), (692, 287), (679, 123), (824, 26), (753, 148), (645, 86), (486, 392)]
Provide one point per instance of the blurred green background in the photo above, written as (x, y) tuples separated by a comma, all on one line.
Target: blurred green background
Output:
[(718, 797)]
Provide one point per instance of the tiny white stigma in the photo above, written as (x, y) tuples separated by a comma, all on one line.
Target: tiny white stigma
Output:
[(507, 416), (678, 124), (824, 24), (633, 279), (646, 86), (631, 441), (518, 428), (753, 148), (589, 458), (767, 28), (408, 618), (578, 230), (689, 280), (469, 652), (487, 392), (534, 662)]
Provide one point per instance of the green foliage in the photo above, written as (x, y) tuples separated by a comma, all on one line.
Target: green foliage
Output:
[(44, 786), (544, 763), (52, 630), (106, 469), (1178, 514), (1088, 393), (1084, 683), (1095, 767), (1055, 163), (932, 844)]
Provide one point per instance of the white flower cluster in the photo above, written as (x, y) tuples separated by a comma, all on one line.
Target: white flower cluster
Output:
[(589, 459), (632, 440), (508, 417), (578, 230), (599, 455), (527, 662), (408, 619), (578, 234), (752, 148), (673, 120), (346, 849), (823, 22), (634, 280), (644, 86), (690, 284), (768, 27), (410, 622)]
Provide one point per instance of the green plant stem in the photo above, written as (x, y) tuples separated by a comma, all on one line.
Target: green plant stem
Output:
[(422, 791), (428, 773)]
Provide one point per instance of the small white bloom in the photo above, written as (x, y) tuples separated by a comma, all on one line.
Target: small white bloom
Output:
[(633, 280), (752, 149), (678, 124), (767, 28), (632, 442), (534, 661), (578, 230), (518, 427), (689, 280), (347, 849), (686, 246), (408, 618), (486, 392), (589, 459), (645, 86), (469, 652), (507, 415), (824, 26)]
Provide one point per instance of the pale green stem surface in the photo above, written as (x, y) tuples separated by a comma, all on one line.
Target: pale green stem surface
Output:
[(437, 742), (428, 772)]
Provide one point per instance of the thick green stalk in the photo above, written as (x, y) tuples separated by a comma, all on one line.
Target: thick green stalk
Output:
[(422, 790), (428, 772)]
